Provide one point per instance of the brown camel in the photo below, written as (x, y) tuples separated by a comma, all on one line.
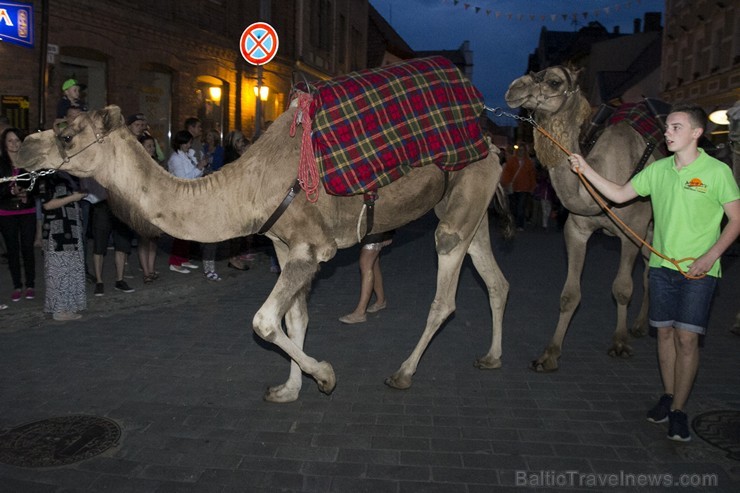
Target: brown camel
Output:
[(560, 109), (239, 199), (733, 114)]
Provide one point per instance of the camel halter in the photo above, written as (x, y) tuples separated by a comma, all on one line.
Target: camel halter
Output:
[(32, 176), (597, 197)]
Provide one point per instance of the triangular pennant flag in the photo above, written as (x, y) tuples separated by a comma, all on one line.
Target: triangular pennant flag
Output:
[(467, 6), (488, 11), (498, 15), (565, 17), (456, 2), (554, 17), (477, 9), (531, 17), (585, 15)]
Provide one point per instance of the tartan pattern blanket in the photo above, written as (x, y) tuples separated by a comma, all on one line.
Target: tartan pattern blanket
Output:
[(641, 119), (371, 127)]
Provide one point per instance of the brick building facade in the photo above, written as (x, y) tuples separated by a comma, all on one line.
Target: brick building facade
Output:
[(162, 58)]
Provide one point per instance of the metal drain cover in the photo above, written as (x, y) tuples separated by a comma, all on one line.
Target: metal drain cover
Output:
[(58, 441), (721, 429)]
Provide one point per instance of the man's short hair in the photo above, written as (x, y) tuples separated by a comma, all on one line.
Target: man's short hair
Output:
[(191, 121), (697, 116), (135, 118)]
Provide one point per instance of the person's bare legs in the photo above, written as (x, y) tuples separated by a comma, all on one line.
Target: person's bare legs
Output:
[(377, 288), (120, 259), (147, 251), (368, 258), (98, 266), (678, 356)]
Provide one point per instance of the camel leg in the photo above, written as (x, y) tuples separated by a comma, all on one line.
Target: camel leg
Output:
[(296, 321), (453, 237), (577, 231), (498, 290), (622, 291), (641, 323), (448, 273), (736, 328), (298, 270)]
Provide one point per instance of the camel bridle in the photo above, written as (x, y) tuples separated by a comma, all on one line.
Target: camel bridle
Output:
[(32, 176)]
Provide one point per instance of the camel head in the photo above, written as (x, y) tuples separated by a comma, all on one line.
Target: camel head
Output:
[(547, 91), (76, 148), (553, 97)]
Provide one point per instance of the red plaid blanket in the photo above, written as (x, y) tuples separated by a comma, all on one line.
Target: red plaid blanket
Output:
[(371, 127), (641, 119)]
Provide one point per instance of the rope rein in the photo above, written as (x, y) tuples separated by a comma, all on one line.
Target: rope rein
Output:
[(308, 175), (602, 203)]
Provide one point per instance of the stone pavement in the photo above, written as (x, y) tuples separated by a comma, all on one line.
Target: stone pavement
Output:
[(177, 366)]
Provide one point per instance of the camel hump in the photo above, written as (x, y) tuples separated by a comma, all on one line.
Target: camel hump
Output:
[(373, 126)]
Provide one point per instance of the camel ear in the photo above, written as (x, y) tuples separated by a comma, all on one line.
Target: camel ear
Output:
[(111, 117)]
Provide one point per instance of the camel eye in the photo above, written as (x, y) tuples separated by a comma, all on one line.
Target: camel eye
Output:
[(554, 83)]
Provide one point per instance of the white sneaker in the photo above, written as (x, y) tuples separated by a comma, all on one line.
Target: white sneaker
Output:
[(189, 265), (180, 269)]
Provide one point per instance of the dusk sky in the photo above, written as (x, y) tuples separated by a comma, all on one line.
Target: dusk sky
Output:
[(502, 33)]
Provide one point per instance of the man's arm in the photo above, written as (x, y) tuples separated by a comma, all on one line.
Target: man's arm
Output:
[(726, 238), (613, 191)]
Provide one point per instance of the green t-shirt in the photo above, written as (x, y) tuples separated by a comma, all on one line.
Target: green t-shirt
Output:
[(687, 207)]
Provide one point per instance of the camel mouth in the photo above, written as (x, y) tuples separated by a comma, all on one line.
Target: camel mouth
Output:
[(514, 102)]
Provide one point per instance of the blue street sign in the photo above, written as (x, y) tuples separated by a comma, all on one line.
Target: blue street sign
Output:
[(16, 23)]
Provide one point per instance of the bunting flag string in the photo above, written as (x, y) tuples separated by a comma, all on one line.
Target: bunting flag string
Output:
[(572, 17)]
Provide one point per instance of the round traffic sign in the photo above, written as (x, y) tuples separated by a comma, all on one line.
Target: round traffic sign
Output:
[(259, 43)]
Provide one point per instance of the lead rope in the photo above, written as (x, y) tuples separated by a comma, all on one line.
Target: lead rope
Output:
[(308, 176), (619, 221)]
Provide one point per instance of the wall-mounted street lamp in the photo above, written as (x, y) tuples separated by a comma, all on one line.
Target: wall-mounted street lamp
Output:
[(215, 93), (719, 117), (262, 91)]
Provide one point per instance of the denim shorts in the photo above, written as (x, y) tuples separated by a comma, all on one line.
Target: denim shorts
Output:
[(676, 301)]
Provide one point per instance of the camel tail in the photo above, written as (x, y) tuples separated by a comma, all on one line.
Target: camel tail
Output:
[(502, 213)]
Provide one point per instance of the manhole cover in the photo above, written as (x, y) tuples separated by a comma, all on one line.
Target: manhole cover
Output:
[(721, 429), (58, 441)]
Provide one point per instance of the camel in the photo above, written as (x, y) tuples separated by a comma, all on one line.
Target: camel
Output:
[(239, 199), (559, 108), (733, 115)]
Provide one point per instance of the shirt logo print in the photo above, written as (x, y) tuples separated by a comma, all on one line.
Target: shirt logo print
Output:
[(695, 185)]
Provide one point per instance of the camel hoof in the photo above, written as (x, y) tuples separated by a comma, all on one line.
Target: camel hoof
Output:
[(325, 378), (487, 363), (281, 394), (398, 381), (543, 366), (623, 351), (639, 331)]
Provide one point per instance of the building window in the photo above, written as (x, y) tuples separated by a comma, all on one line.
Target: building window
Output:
[(321, 24)]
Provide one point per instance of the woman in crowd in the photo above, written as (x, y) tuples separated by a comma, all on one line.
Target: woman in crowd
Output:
[(213, 150), (17, 216), (235, 144), (64, 264), (147, 248), (184, 164)]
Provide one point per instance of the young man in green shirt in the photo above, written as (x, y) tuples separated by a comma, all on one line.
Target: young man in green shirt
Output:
[(690, 193)]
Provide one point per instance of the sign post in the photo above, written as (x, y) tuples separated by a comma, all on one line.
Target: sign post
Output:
[(258, 45)]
